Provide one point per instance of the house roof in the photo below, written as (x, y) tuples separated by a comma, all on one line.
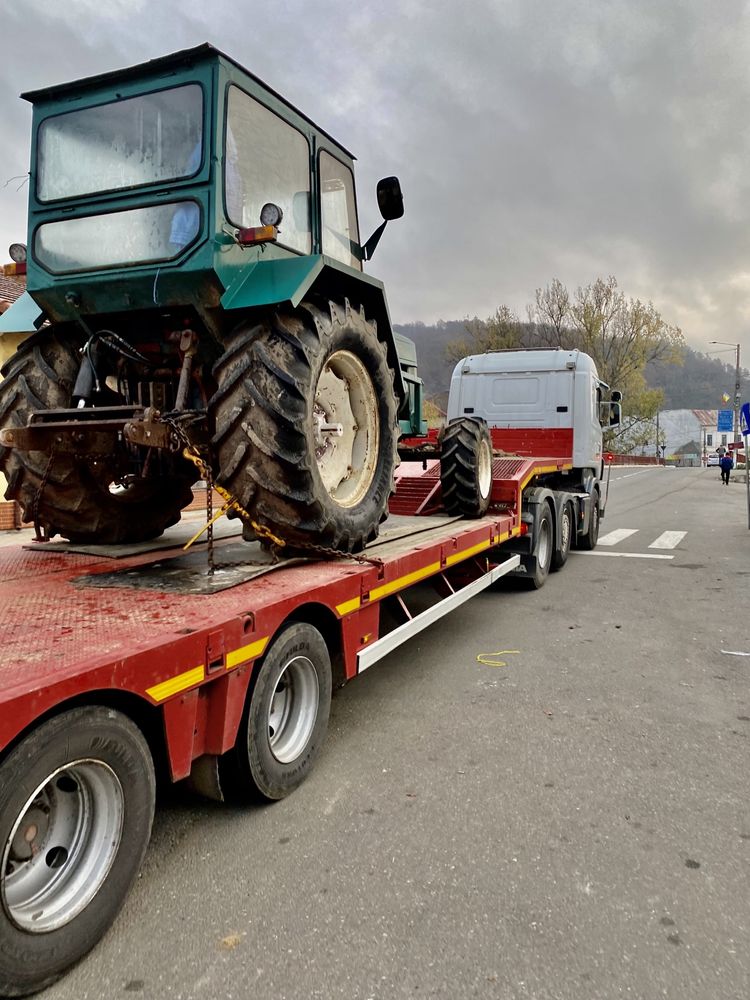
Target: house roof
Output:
[(707, 418), (12, 288)]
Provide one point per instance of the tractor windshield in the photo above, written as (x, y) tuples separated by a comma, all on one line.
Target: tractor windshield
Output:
[(149, 139)]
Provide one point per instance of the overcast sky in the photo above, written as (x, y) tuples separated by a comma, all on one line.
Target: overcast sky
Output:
[(533, 138)]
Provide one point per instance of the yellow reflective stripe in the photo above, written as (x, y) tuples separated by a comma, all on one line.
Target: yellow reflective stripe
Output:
[(176, 684), (404, 581), (245, 653), (348, 606), (544, 468), (458, 556)]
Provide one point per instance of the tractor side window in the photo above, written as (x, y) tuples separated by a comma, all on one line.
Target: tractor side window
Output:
[(338, 212), (266, 160), (149, 139)]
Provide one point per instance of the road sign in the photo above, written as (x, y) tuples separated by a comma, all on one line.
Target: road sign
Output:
[(725, 420), (745, 418)]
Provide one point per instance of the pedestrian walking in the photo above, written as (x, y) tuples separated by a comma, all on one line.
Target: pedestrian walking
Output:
[(726, 464)]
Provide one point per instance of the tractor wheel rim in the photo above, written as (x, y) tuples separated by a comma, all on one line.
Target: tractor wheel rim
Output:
[(484, 468), (346, 429), (62, 846), (293, 709)]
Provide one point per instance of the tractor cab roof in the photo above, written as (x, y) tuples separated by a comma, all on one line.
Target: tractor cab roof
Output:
[(185, 58)]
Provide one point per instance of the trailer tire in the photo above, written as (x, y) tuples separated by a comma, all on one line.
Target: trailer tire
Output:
[(76, 807), (588, 541), (305, 425), (540, 562), (72, 497), (285, 719), (466, 467), (566, 528)]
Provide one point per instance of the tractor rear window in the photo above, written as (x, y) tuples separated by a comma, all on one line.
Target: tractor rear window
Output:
[(148, 139), (139, 235)]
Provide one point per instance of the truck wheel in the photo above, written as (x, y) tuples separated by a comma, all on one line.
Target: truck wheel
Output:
[(567, 530), (77, 499), (466, 467), (540, 562), (306, 427), (589, 540), (76, 806), (286, 717)]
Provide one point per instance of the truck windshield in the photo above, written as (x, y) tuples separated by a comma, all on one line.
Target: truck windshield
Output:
[(141, 140)]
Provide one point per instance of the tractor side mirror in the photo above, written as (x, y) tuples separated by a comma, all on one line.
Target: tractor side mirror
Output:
[(390, 198)]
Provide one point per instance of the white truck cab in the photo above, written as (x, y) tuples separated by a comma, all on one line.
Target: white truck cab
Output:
[(537, 402)]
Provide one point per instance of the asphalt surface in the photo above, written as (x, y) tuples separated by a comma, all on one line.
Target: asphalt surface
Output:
[(544, 796)]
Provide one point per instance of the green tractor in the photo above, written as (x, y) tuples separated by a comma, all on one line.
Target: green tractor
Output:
[(195, 283)]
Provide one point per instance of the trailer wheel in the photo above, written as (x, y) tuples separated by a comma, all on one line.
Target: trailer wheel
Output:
[(82, 500), (567, 529), (539, 563), (305, 425), (466, 467), (286, 718), (589, 540), (76, 806)]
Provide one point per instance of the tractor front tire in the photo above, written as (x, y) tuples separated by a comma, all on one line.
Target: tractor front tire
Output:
[(77, 498), (306, 426), (466, 467)]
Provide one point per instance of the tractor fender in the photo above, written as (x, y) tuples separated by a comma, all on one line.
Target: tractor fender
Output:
[(292, 279)]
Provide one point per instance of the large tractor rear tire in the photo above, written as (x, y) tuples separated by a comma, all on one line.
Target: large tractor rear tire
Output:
[(76, 498), (305, 425)]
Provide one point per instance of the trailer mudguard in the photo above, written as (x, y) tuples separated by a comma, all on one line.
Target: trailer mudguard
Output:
[(291, 279)]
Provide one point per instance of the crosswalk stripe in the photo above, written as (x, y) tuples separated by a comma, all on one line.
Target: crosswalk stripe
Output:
[(668, 540), (618, 535)]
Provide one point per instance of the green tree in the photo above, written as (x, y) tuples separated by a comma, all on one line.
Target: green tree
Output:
[(500, 332)]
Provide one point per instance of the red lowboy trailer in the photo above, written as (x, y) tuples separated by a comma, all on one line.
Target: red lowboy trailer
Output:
[(113, 660)]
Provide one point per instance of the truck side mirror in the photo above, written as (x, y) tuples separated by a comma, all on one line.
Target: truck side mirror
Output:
[(615, 413), (616, 396), (390, 198)]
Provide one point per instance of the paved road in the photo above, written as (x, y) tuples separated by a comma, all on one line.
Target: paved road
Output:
[(544, 796)]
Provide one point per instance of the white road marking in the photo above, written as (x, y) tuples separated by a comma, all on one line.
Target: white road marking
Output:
[(668, 540), (624, 555), (618, 535)]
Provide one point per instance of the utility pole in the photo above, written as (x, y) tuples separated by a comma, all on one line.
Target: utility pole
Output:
[(658, 442), (737, 406)]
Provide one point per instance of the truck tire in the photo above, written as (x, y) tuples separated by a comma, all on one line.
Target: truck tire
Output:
[(285, 719), (539, 563), (76, 806), (77, 499), (588, 541), (567, 529), (305, 425), (466, 467)]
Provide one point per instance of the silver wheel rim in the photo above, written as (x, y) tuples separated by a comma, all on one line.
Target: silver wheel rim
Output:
[(567, 523), (544, 548), (293, 709), (346, 428), (484, 469), (62, 846)]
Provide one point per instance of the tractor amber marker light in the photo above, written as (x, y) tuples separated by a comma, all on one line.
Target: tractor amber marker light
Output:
[(159, 692)]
